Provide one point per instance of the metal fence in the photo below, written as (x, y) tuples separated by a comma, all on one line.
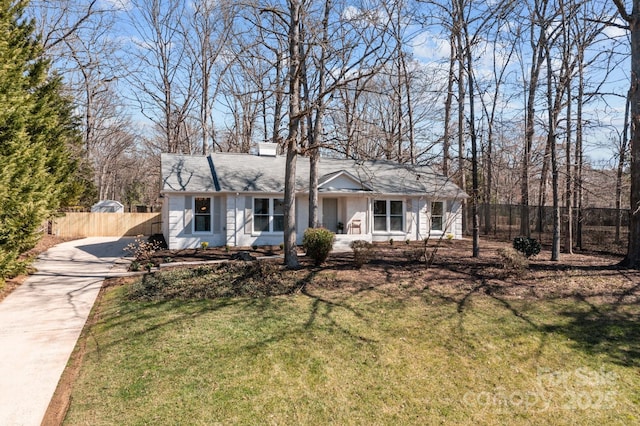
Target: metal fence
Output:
[(593, 228)]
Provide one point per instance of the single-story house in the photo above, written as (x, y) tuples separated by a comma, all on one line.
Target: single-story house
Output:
[(237, 200)]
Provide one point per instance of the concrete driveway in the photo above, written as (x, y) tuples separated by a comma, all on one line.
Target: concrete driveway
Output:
[(41, 320)]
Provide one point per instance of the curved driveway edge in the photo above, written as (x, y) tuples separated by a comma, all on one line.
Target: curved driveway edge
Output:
[(41, 321)]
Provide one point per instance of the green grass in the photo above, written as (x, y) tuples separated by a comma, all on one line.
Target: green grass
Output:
[(359, 357)]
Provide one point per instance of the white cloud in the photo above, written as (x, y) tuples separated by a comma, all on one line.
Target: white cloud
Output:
[(118, 4), (431, 47)]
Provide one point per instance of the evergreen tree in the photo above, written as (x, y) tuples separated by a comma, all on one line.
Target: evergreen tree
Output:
[(38, 139)]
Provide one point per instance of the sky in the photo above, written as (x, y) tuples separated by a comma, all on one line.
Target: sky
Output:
[(429, 47)]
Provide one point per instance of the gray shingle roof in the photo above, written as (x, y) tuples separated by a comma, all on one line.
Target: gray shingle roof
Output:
[(227, 172)]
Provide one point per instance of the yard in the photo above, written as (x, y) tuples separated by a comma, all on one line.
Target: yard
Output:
[(462, 342)]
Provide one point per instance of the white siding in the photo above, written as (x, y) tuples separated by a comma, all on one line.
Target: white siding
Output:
[(355, 209), (343, 182), (232, 210), (232, 225), (452, 219), (423, 218), (302, 216), (174, 225), (455, 217)]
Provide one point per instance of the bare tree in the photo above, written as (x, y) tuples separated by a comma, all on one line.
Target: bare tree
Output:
[(57, 21), (632, 259), (207, 31), (501, 60), (623, 147), (164, 76), (536, 46)]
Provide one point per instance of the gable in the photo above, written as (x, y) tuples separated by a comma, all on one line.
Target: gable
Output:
[(341, 181)]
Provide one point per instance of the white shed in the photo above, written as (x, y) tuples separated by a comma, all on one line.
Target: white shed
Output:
[(107, 206)]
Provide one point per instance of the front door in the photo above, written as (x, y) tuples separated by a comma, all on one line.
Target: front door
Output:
[(330, 214)]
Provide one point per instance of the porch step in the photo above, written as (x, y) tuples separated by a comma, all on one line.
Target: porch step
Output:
[(342, 242)]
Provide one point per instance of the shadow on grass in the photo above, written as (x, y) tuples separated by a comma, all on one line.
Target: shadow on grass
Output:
[(610, 329), (141, 316)]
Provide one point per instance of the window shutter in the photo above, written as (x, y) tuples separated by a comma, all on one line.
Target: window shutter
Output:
[(217, 216), (450, 208), (408, 216), (248, 214), (188, 214)]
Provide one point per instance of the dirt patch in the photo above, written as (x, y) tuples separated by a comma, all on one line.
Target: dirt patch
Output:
[(401, 268), (211, 253), (45, 243)]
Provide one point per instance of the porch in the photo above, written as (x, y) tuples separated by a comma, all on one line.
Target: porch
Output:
[(342, 242)]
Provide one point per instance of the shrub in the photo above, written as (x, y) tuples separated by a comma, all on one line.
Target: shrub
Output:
[(204, 245), (317, 243), (512, 260), (390, 241), (527, 246), (142, 250), (135, 266), (362, 252)]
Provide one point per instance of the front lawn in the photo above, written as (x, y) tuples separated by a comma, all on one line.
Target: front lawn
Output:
[(376, 346)]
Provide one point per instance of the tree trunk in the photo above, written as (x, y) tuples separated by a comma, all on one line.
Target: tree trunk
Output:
[(290, 253), (632, 259), (621, 161), (462, 181), (551, 138), (537, 58), (446, 142), (475, 185), (568, 230), (579, 158)]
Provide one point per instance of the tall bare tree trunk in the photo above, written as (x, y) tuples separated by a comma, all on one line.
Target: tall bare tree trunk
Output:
[(537, 56), (620, 169), (474, 150), (632, 259), (462, 180), (568, 230), (315, 133), (290, 253), (579, 159), (551, 137), (446, 138)]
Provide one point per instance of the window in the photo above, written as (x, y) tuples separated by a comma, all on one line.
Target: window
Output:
[(268, 215), (261, 214), (388, 215), (278, 215), (396, 216), (437, 211), (202, 214)]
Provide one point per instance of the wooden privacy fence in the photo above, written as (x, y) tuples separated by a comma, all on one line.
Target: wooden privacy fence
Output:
[(106, 224)]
